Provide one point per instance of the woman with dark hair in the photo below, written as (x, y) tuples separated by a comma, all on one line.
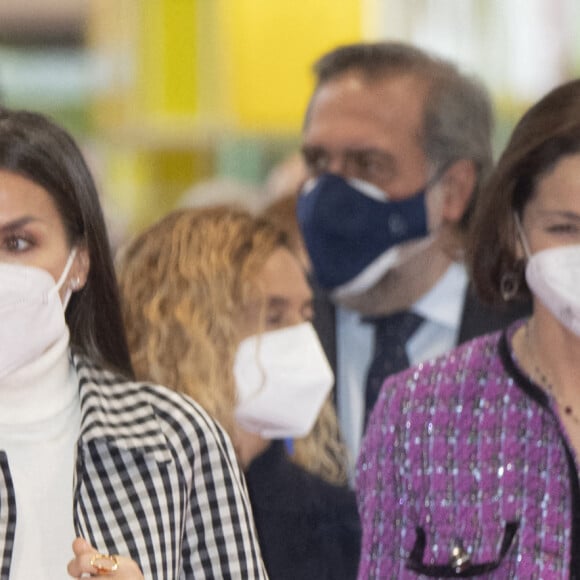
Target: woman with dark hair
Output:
[(469, 466), (141, 476)]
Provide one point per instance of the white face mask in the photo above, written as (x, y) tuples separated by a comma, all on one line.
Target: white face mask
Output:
[(553, 275), (283, 379), (31, 313)]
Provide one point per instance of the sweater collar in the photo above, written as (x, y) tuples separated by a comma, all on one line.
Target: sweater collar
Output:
[(40, 390)]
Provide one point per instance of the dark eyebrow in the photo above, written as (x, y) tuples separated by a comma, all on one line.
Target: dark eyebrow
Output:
[(368, 151), (310, 149), (277, 301), (18, 223), (280, 302), (569, 215), (384, 157)]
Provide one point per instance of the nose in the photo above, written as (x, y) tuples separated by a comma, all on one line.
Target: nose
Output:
[(336, 164)]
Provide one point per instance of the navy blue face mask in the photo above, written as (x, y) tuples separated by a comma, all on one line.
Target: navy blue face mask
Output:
[(346, 230)]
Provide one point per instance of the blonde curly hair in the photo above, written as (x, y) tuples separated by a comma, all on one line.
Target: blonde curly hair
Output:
[(185, 284)]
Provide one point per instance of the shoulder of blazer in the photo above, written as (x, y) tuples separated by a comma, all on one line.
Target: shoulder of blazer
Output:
[(140, 416)]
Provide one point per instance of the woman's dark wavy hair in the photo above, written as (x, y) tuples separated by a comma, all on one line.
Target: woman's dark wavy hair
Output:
[(548, 132), (34, 147)]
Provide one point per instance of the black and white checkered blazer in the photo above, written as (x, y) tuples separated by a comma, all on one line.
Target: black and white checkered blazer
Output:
[(157, 480)]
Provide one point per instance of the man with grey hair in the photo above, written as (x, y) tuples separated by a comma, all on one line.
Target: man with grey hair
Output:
[(397, 142)]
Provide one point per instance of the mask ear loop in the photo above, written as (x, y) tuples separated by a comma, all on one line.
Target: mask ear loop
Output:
[(260, 361), (438, 173), (63, 276), (522, 236)]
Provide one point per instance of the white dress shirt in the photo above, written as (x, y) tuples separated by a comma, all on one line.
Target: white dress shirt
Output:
[(441, 307)]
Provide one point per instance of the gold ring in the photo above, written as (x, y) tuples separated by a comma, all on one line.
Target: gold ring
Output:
[(104, 563)]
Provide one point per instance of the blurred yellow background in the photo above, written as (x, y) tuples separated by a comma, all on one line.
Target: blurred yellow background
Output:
[(166, 94), (216, 87)]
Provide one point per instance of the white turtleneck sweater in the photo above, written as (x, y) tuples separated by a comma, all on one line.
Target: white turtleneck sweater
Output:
[(39, 427)]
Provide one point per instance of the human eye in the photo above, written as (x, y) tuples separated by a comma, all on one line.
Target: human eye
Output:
[(368, 165), (316, 161), (362, 162), (275, 323), (564, 228), (274, 318), (16, 242)]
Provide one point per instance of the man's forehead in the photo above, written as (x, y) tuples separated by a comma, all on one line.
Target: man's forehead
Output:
[(354, 81), (353, 95), (351, 111)]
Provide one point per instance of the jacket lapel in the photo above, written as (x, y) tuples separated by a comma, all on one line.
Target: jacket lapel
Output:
[(121, 453)]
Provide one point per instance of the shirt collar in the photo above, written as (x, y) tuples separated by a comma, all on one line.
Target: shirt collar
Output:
[(441, 303)]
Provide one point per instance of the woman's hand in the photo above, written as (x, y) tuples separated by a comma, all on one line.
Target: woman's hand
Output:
[(88, 562)]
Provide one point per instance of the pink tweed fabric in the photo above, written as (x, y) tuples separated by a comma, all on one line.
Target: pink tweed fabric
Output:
[(459, 451)]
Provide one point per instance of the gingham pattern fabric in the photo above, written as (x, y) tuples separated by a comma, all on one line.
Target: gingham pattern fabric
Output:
[(458, 451), (7, 515), (156, 480)]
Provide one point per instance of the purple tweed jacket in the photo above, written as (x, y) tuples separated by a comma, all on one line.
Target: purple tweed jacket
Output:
[(465, 471)]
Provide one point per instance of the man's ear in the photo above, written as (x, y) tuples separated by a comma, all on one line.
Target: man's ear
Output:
[(458, 183)]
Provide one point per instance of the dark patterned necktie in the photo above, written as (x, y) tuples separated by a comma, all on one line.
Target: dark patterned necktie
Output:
[(392, 333)]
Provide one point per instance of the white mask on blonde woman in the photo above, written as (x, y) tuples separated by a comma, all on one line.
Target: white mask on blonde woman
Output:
[(31, 313), (282, 379)]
